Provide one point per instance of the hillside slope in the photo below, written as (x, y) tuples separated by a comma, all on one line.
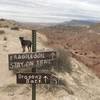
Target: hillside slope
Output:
[(80, 84), (83, 42)]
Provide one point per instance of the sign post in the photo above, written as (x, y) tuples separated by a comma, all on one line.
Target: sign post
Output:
[(34, 68), (34, 60)]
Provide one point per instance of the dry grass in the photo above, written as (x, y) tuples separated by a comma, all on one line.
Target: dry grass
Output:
[(5, 38), (15, 28), (63, 61), (2, 32)]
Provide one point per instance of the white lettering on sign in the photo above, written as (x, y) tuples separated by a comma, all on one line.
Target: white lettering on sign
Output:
[(37, 78), (26, 64), (29, 76), (21, 64), (35, 59), (27, 56), (33, 79)]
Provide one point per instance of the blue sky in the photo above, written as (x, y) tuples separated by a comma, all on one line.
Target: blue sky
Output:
[(50, 10)]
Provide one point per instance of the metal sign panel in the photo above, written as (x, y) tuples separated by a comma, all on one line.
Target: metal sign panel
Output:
[(33, 78), (37, 59)]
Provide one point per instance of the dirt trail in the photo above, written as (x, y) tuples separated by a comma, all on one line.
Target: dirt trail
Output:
[(12, 45)]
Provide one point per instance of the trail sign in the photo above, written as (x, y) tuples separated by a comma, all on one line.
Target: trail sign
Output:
[(33, 60), (36, 78), (33, 78), (37, 59)]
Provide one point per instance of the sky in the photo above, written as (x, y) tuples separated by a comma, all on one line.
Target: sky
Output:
[(50, 11)]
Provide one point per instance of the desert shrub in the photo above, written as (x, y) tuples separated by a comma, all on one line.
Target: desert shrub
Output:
[(2, 32), (85, 53), (6, 26), (2, 19), (62, 85), (76, 52), (63, 61), (15, 28), (5, 38)]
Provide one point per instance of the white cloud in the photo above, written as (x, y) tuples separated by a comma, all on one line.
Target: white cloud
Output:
[(49, 10)]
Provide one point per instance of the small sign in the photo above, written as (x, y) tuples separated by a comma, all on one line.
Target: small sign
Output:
[(54, 80), (33, 78), (37, 59)]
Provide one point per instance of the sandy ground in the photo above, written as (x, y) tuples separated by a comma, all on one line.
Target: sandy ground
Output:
[(81, 84), (12, 45)]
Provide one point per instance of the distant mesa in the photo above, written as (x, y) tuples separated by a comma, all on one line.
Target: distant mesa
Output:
[(78, 23)]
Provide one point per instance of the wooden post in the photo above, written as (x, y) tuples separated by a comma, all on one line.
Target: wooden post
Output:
[(34, 68)]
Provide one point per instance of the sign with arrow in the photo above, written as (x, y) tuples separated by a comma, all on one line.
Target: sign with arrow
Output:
[(33, 78), (24, 60)]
